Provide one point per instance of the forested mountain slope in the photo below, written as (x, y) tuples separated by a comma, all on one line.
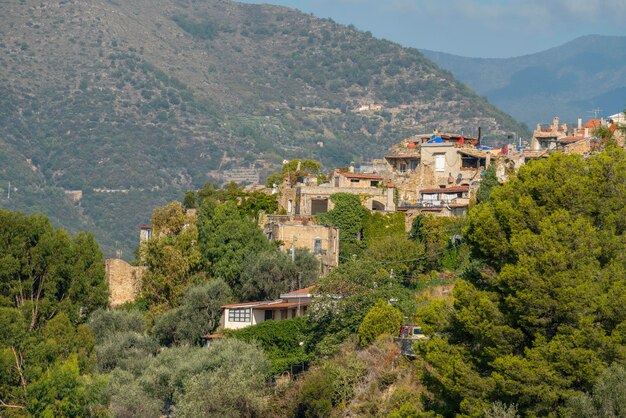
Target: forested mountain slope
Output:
[(133, 102)]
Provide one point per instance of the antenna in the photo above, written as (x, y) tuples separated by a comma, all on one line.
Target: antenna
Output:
[(595, 112), (9, 192)]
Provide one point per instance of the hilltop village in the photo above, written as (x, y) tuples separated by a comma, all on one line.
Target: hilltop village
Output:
[(447, 278), (438, 174)]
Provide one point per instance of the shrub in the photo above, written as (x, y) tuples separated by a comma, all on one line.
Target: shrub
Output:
[(104, 323), (382, 318), (198, 315), (281, 341), (315, 396)]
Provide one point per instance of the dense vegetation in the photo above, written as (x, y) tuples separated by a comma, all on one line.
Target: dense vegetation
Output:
[(134, 102), (522, 303), (537, 317), (49, 284)]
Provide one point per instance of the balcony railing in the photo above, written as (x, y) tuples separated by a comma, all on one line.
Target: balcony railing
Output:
[(428, 203)]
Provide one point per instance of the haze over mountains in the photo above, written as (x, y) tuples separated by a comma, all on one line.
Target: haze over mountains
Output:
[(571, 80), (131, 103)]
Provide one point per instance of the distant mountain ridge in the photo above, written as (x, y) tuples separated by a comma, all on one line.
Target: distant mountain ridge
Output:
[(133, 102), (571, 79)]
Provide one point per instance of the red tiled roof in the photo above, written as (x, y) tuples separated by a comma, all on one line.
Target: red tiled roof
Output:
[(454, 189), (145, 226), (361, 176), (592, 123)]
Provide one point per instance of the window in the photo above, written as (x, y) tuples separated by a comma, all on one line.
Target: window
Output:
[(317, 246), (402, 168), (414, 164), (289, 206), (269, 315), (440, 162), (239, 315), (354, 180), (319, 206), (374, 183)]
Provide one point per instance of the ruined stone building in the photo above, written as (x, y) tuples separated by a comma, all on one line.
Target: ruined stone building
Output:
[(300, 232), (307, 198), (124, 281)]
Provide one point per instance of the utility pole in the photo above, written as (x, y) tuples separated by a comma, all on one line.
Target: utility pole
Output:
[(299, 286), (9, 192)]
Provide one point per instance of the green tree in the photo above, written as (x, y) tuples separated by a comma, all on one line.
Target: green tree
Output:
[(169, 219), (190, 200), (347, 294), (379, 226), (488, 181), (254, 202), (300, 168), (608, 398), (49, 284), (349, 216), (104, 323), (537, 319), (382, 318), (64, 392), (406, 258), (440, 238), (44, 271), (274, 179), (268, 274), (173, 258), (198, 314), (192, 381), (226, 239), (281, 341)]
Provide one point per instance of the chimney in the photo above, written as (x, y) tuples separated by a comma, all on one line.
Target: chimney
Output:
[(580, 123), (586, 132), (488, 160), (351, 168), (479, 134)]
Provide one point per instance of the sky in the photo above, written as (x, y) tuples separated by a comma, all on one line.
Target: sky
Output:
[(474, 28)]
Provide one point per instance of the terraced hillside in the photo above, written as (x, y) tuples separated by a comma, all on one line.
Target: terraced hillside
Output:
[(134, 102)]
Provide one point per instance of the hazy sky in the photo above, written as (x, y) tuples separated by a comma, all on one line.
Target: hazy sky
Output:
[(477, 28)]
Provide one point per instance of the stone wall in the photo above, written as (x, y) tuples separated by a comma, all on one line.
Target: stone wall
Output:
[(581, 147), (124, 281)]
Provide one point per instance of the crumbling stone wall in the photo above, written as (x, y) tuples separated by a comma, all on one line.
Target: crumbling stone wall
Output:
[(124, 281)]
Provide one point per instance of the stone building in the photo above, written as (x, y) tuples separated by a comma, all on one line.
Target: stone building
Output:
[(293, 232), (307, 198), (124, 281)]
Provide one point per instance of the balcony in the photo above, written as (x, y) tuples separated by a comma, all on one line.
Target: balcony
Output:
[(434, 204)]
